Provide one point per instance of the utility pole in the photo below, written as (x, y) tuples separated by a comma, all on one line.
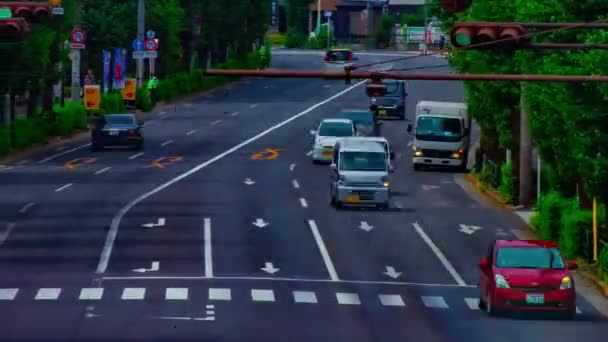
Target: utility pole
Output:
[(369, 24), (525, 153), (141, 17), (76, 57)]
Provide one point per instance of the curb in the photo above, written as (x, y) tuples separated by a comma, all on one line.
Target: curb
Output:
[(492, 195), (601, 286)]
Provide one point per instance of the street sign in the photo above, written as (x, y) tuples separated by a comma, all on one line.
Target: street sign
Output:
[(151, 45), (138, 55), (78, 36), (138, 45), (150, 34), (77, 46), (57, 10), (328, 13), (150, 54), (6, 13)]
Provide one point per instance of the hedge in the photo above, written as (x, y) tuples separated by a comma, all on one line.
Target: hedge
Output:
[(276, 39), (602, 264)]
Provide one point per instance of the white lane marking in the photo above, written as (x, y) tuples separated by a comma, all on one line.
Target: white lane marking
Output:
[(176, 293), (63, 187), (303, 203), (472, 303), (8, 294), (295, 184), (136, 155), (323, 250), (207, 248), (292, 167), (133, 293), (210, 312), (113, 231), (446, 263), (235, 114), (191, 132), (220, 294), (304, 297), (253, 105), (215, 122), (348, 298), (391, 300), (103, 170), (162, 113), (91, 293), (164, 117), (167, 143), (309, 153), (9, 229), (63, 153), (48, 294), (434, 302), (578, 311), (26, 207), (23, 162), (262, 295), (210, 306)]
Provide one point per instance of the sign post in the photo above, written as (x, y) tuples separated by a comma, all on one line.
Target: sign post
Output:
[(151, 46), (77, 38)]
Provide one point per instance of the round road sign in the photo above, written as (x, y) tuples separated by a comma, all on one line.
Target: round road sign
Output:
[(78, 36), (150, 34), (151, 45)]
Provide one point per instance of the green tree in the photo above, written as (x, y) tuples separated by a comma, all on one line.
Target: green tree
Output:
[(413, 19)]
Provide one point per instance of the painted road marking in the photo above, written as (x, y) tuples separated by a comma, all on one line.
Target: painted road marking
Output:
[(113, 231), (235, 114), (253, 105), (26, 207), (292, 167), (348, 298), (262, 295), (136, 155), (176, 293), (91, 293), (103, 170), (63, 153), (131, 293), (267, 154), (469, 230), (166, 143), (9, 229), (191, 132), (323, 250), (446, 263), (160, 163), (163, 117), (434, 302), (74, 163), (63, 187), (207, 248), (303, 203), (220, 294), (309, 153), (23, 162), (391, 300), (295, 184), (48, 294), (215, 122), (8, 294), (305, 297), (472, 303)]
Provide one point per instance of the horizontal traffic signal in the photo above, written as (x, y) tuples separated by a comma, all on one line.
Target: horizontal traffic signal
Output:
[(13, 29), (455, 6), (505, 36), (31, 11)]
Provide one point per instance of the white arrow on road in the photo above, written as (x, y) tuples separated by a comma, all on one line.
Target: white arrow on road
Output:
[(260, 223), (249, 181), (468, 229), (365, 226), (161, 222), (428, 187), (390, 271), (269, 268), (155, 267)]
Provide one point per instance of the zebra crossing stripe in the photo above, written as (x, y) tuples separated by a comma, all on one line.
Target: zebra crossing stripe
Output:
[(391, 300), (472, 303), (262, 295), (176, 293), (8, 294), (348, 298), (48, 294), (130, 293), (91, 293), (434, 302)]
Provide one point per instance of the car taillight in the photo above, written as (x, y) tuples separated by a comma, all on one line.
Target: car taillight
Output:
[(326, 58), (350, 56), (131, 132)]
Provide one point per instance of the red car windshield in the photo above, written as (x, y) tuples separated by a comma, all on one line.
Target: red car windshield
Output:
[(529, 257)]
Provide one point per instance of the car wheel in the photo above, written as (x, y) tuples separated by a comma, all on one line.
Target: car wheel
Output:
[(489, 308), (94, 148), (481, 304), (139, 146), (570, 315), (315, 161), (417, 167), (385, 206)]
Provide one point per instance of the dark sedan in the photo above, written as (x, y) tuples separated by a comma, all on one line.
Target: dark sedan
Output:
[(366, 123), (117, 130)]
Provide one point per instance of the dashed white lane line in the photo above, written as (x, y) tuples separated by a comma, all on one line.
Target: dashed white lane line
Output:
[(253, 105), (63, 153), (136, 155), (262, 295), (176, 293), (133, 293), (7, 232), (391, 300), (295, 183), (446, 263), (207, 248), (304, 297), (26, 207), (191, 132), (167, 143), (114, 226), (220, 294), (292, 167), (348, 298), (235, 114), (104, 170), (23, 162), (303, 203), (323, 250), (163, 117), (215, 122), (63, 187), (48, 294), (309, 153)]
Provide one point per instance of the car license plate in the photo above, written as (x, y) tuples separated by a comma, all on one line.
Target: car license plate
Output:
[(113, 132), (381, 112), (328, 153), (535, 299), (353, 199)]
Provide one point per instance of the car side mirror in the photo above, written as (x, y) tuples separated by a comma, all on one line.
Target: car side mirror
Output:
[(484, 265), (409, 128), (572, 265), (392, 155), (391, 169), (312, 132), (333, 167)]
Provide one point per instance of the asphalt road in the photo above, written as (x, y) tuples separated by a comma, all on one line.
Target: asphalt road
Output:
[(222, 230)]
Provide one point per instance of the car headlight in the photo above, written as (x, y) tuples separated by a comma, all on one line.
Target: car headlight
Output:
[(566, 283), (386, 182), (501, 281), (417, 152), (457, 154)]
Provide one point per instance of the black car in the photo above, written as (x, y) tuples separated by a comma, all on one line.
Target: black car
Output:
[(366, 123), (117, 130), (391, 105)]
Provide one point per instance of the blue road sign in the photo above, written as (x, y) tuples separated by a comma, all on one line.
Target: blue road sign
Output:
[(138, 45), (150, 34)]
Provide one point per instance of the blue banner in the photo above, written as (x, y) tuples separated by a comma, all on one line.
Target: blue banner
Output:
[(107, 63), (118, 74)]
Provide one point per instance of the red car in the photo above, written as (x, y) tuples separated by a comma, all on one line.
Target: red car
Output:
[(526, 274)]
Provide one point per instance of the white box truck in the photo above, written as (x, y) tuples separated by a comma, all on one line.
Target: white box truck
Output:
[(441, 135)]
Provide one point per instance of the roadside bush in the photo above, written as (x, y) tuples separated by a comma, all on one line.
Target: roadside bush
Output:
[(485, 176), (602, 264), (507, 182), (112, 103), (5, 139), (70, 117), (275, 39), (575, 224), (29, 131), (143, 101), (295, 39), (550, 208)]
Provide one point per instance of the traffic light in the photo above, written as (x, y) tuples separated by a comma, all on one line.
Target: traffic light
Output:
[(471, 34), (31, 11), (455, 6), (13, 29)]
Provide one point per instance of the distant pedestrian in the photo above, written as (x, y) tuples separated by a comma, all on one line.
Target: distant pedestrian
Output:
[(441, 43), (153, 88), (263, 57)]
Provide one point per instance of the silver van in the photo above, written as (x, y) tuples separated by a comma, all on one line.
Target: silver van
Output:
[(360, 173)]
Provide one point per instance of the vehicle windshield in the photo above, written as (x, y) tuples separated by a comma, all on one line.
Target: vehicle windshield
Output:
[(119, 120), (435, 128), (393, 89), (362, 161), (338, 55), (529, 257), (365, 118), (336, 129)]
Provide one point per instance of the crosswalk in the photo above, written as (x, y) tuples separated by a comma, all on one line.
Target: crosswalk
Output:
[(252, 295)]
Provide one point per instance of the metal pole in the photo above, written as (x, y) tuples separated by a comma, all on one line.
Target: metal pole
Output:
[(141, 16), (328, 33), (525, 153), (538, 175), (595, 232), (426, 23), (76, 58)]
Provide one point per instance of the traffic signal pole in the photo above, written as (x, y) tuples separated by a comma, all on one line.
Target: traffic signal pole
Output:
[(76, 56), (141, 17)]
